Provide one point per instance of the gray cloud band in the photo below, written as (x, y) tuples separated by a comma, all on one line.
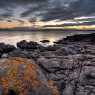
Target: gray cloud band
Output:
[(48, 9)]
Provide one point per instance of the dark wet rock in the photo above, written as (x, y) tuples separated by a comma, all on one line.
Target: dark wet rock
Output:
[(78, 38), (2, 46), (41, 48), (51, 48), (89, 49), (48, 54), (61, 41), (25, 54), (81, 37), (8, 48), (0, 55), (27, 45), (18, 53), (45, 41), (5, 48), (65, 51), (22, 44), (70, 49)]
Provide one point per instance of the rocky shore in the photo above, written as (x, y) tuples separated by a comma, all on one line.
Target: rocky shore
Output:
[(65, 68)]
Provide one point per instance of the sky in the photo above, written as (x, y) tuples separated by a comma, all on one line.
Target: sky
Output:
[(24, 12)]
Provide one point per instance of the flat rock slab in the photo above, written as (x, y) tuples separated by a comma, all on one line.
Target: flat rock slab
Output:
[(75, 74)]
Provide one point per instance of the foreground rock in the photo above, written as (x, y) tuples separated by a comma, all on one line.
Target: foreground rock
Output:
[(20, 76), (74, 74)]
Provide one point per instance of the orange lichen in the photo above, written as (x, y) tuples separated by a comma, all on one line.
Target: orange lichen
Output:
[(4, 85), (53, 87), (20, 74)]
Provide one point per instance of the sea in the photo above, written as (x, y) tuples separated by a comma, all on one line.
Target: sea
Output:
[(12, 37)]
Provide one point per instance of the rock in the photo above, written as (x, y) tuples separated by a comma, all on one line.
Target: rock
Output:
[(61, 41), (27, 45), (51, 48), (6, 48), (9, 48), (5, 55), (2, 46), (48, 54), (25, 54), (64, 51), (81, 37), (68, 90), (45, 41), (22, 76), (22, 44), (19, 53), (41, 48), (78, 38), (75, 72), (0, 55), (49, 64)]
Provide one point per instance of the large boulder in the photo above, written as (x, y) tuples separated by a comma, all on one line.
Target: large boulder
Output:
[(21, 76)]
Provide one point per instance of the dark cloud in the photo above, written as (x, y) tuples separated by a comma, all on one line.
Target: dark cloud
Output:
[(84, 6), (6, 15), (37, 8), (9, 2), (58, 13), (73, 9), (47, 9)]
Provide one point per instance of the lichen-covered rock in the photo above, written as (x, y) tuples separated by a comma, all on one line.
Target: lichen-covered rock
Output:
[(20, 76)]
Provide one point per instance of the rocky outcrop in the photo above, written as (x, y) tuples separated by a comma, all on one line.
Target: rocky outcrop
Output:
[(78, 38), (27, 45)]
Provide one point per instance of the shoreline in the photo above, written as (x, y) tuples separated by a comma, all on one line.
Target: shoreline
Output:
[(69, 38), (33, 30)]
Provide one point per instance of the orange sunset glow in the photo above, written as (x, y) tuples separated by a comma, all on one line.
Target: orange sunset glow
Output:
[(15, 24), (40, 24), (9, 24)]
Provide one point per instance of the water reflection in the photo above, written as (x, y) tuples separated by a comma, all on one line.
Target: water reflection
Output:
[(14, 37)]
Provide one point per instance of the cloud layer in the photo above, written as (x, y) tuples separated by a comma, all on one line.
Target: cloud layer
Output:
[(45, 9)]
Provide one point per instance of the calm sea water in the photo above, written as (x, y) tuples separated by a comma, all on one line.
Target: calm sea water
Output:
[(15, 36)]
